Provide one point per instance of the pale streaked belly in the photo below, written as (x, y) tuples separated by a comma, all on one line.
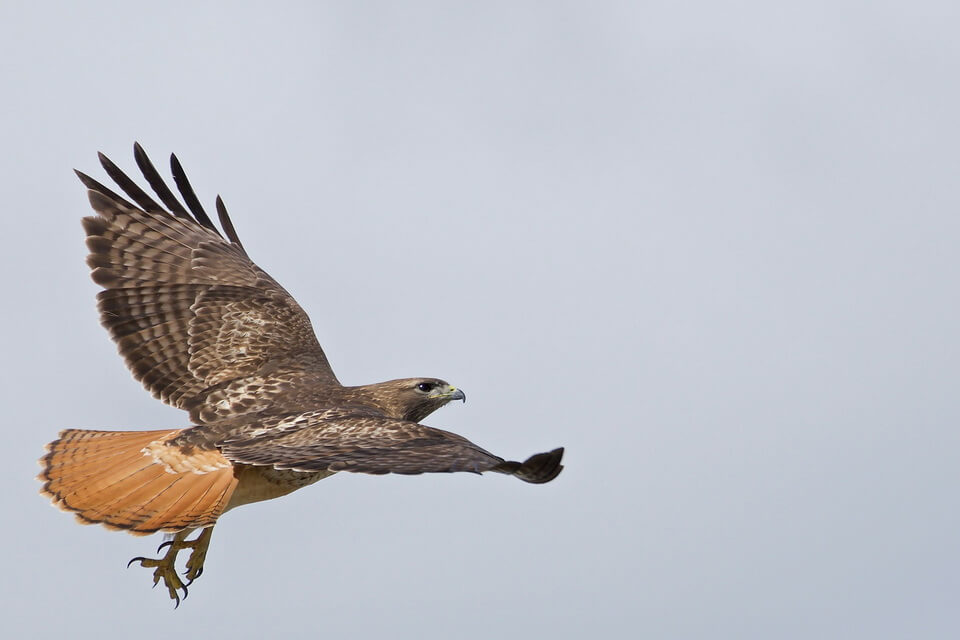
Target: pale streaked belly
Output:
[(256, 484)]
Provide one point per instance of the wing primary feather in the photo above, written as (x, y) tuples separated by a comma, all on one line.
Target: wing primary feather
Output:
[(537, 469), (157, 184), (226, 223), (93, 185), (129, 186), (180, 177)]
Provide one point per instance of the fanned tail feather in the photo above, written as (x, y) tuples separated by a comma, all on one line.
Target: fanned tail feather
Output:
[(117, 479)]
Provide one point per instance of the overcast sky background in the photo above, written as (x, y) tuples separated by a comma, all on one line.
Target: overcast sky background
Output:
[(709, 247)]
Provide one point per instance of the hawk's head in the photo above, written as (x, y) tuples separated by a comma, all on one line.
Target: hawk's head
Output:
[(413, 398)]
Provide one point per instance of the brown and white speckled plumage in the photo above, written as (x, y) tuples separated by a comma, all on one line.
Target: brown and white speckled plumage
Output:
[(206, 330)]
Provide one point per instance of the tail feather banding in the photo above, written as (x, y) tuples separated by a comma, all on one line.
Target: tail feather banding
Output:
[(133, 480)]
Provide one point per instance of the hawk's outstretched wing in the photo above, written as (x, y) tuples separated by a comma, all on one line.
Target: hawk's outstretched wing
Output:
[(361, 441), (198, 323)]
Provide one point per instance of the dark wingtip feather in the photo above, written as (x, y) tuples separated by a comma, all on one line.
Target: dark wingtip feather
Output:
[(537, 469), (190, 196), (129, 187), (196, 213), (156, 182), (226, 223), (87, 181), (96, 187)]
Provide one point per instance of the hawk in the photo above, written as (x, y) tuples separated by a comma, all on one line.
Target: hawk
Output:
[(204, 329)]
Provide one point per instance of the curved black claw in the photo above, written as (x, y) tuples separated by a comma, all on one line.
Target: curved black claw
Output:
[(165, 544), (137, 559), (191, 579)]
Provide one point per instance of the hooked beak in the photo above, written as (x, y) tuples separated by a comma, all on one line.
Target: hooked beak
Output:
[(449, 395)]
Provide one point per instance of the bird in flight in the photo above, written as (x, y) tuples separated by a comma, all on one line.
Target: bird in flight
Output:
[(204, 329)]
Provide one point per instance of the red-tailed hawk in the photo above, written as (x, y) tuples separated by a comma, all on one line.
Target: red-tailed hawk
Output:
[(207, 331)]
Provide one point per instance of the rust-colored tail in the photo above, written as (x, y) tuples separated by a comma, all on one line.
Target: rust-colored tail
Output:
[(134, 480)]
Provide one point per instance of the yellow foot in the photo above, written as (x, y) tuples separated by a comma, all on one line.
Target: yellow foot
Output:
[(165, 567), (198, 555)]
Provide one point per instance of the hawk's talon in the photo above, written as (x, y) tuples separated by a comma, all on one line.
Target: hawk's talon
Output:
[(190, 578), (165, 567)]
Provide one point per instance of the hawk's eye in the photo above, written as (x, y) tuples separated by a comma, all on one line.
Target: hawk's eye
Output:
[(425, 387)]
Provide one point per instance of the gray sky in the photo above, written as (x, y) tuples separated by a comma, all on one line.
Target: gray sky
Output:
[(711, 248)]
